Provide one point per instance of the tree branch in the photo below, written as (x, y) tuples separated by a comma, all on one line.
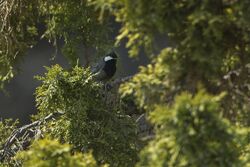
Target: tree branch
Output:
[(21, 137)]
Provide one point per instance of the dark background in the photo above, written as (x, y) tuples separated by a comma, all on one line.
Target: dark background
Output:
[(20, 101)]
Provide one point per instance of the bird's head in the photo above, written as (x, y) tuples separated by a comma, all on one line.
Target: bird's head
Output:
[(110, 56)]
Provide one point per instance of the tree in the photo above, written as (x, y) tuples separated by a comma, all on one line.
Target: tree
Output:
[(51, 153), (195, 91)]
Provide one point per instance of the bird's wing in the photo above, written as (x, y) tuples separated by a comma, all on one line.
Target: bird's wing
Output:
[(97, 71), (97, 67), (99, 76)]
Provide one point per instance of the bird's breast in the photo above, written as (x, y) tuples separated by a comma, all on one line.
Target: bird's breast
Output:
[(110, 68)]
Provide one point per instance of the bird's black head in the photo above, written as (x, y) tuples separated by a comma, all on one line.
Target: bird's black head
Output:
[(111, 56)]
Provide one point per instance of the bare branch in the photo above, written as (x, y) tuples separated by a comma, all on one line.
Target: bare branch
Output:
[(21, 137), (121, 80)]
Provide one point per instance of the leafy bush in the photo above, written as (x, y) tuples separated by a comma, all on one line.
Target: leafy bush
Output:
[(190, 132), (47, 153), (89, 123)]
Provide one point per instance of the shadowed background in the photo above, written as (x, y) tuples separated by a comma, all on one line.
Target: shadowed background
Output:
[(20, 101)]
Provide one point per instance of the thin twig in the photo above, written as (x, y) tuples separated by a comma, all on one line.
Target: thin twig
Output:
[(19, 137), (119, 81)]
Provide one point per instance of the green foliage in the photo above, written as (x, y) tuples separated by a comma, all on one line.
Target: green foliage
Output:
[(245, 157), (77, 24), (211, 39), (236, 104), (191, 133), (6, 128), (47, 153), (73, 21), (200, 30), (17, 34), (208, 44), (154, 83), (89, 123), (130, 13)]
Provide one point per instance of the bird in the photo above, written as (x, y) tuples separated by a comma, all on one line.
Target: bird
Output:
[(105, 69)]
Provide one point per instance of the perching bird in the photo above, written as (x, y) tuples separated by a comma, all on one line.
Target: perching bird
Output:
[(106, 68)]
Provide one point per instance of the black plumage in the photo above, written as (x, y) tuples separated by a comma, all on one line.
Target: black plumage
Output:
[(106, 68)]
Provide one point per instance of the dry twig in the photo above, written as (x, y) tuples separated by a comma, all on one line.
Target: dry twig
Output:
[(21, 137)]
